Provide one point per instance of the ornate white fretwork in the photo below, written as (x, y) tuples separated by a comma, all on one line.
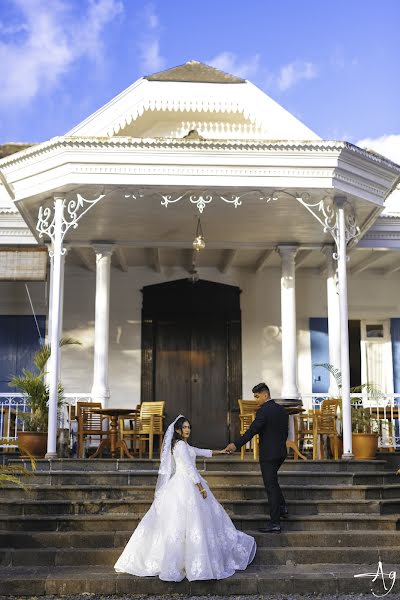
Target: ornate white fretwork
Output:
[(72, 211), (325, 211), (201, 199)]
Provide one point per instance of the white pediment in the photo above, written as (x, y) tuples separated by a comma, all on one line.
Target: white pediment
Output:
[(216, 107)]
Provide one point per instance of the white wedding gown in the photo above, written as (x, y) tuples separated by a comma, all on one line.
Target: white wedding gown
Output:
[(183, 534)]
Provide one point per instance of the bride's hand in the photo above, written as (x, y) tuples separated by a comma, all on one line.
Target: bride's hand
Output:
[(220, 451), (202, 491)]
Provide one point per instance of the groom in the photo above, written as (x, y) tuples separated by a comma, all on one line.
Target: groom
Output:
[(271, 423)]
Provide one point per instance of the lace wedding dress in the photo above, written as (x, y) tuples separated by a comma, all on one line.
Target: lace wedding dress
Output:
[(183, 534)]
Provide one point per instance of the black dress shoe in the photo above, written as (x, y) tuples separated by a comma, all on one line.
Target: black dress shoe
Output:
[(270, 529), (284, 513)]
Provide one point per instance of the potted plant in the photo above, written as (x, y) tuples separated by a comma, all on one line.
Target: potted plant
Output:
[(33, 440), (364, 428), (364, 424)]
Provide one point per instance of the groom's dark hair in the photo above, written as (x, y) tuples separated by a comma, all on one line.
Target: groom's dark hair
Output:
[(261, 387)]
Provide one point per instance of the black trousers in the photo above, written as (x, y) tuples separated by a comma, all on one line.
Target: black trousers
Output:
[(276, 500)]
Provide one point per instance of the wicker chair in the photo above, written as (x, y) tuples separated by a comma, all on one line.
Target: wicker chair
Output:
[(325, 423), (89, 424), (151, 423), (248, 409)]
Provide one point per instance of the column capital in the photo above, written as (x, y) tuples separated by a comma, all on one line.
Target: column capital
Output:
[(103, 249), (328, 250), (286, 250), (340, 201)]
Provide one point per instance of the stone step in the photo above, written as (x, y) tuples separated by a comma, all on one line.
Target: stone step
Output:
[(141, 477), (274, 579), (302, 491), (115, 538), (214, 464), (134, 506), (265, 556), (110, 521)]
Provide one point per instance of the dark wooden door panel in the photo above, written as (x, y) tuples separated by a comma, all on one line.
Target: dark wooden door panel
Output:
[(172, 367), (209, 383)]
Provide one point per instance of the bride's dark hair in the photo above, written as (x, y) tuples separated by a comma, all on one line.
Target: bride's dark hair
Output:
[(178, 425)]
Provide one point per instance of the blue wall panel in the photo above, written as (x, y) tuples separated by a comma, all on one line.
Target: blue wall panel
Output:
[(19, 340), (395, 335), (319, 354)]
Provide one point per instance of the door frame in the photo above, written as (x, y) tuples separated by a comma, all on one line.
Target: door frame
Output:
[(182, 297)]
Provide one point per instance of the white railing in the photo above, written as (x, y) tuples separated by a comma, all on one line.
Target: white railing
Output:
[(385, 408), (13, 405)]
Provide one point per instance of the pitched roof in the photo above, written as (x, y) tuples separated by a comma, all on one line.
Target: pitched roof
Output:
[(12, 147), (195, 72)]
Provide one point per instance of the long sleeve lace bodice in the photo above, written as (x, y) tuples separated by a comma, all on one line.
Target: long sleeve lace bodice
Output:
[(185, 460)]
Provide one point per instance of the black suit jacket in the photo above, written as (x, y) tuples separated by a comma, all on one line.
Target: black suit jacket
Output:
[(271, 424)]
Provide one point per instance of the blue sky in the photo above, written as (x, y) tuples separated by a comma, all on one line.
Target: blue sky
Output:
[(335, 65)]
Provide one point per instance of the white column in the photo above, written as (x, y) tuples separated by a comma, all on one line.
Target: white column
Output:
[(288, 321), (49, 318), (100, 389), (48, 337), (344, 331), (56, 289), (332, 293)]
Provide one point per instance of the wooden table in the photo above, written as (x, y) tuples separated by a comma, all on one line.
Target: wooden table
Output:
[(112, 440)]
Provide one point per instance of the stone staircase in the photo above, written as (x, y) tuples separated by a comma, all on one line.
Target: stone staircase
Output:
[(64, 536)]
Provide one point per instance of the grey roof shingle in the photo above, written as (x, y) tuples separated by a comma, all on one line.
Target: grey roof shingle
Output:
[(195, 71)]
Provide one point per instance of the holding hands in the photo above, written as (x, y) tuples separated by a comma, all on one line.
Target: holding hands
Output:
[(230, 449)]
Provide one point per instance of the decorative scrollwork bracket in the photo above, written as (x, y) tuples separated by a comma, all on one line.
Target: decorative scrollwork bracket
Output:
[(70, 213), (326, 211)]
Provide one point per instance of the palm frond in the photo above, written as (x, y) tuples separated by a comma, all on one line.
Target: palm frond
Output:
[(371, 388), (42, 356), (11, 479)]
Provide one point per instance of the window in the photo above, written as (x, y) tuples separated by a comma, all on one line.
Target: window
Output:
[(374, 330)]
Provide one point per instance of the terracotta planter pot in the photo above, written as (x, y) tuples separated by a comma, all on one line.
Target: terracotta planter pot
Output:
[(33, 442), (365, 445)]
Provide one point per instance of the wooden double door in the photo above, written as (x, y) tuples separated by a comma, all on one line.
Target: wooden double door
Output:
[(191, 356)]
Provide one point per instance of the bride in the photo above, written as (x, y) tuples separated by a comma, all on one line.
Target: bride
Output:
[(186, 532)]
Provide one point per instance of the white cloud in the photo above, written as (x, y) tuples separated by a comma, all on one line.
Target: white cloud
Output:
[(388, 145), (294, 72), (53, 40), (230, 63), (151, 59), (100, 14)]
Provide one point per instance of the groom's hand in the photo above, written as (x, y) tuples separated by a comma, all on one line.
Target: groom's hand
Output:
[(230, 448)]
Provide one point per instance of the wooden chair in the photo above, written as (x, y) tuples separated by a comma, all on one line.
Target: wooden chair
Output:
[(303, 431), (248, 409), (129, 427), (325, 423), (151, 423), (89, 424)]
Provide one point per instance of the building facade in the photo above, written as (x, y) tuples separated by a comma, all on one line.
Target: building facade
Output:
[(158, 320)]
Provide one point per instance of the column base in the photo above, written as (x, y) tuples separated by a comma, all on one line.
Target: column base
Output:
[(290, 394), (347, 456), (51, 455)]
